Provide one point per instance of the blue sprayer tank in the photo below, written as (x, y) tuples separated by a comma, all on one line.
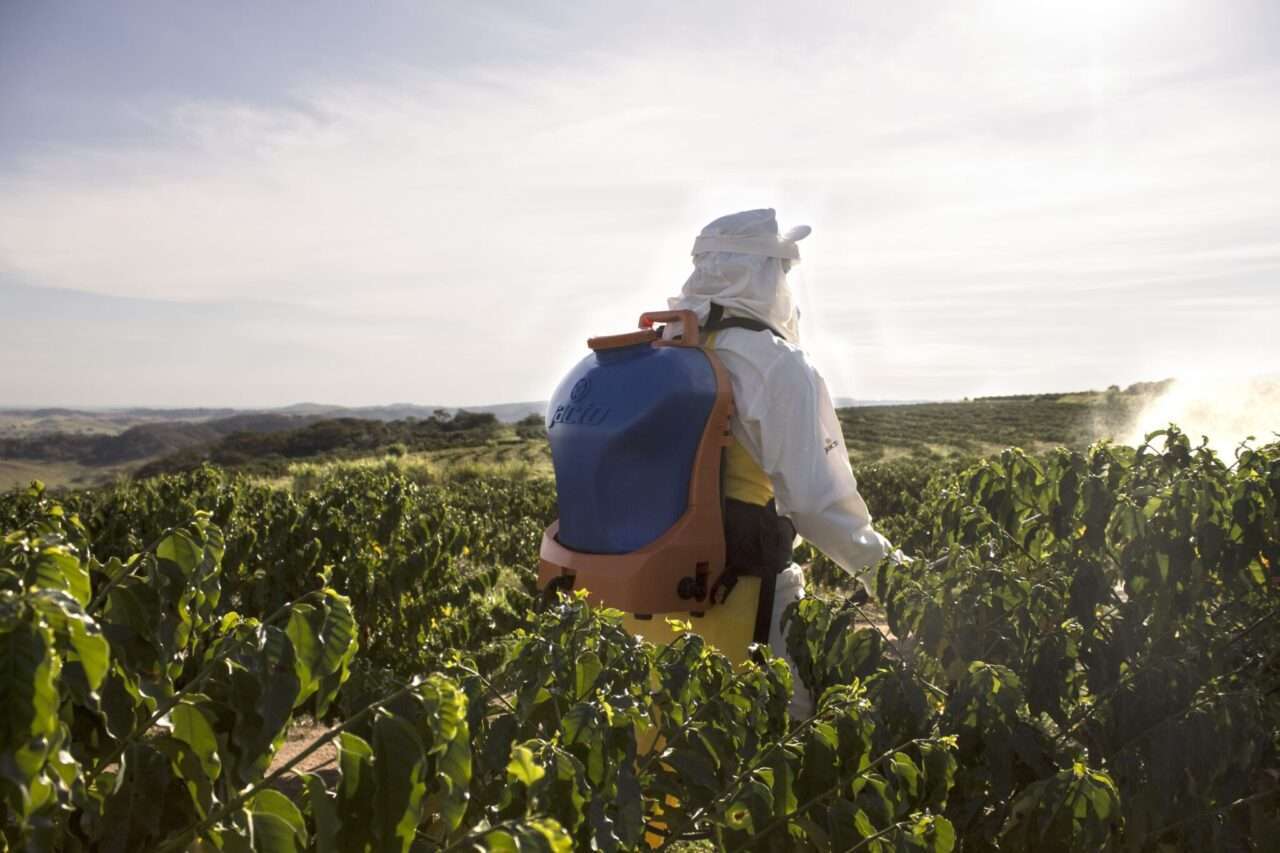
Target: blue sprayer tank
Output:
[(624, 427), (637, 432)]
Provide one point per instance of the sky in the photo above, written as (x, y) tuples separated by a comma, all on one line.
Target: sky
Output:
[(257, 204)]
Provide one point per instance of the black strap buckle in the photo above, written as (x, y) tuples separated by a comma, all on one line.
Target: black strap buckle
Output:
[(723, 586)]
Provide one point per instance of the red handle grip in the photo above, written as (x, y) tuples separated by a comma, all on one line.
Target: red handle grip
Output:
[(688, 324)]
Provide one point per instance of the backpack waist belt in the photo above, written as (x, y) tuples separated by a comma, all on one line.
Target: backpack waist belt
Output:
[(758, 543)]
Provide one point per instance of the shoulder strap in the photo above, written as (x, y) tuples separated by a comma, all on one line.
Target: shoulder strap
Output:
[(716, 321)]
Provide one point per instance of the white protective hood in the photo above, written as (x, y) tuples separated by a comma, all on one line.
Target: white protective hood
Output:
[(740, 262)]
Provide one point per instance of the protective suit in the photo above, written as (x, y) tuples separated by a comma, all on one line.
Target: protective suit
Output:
[(789, 446)]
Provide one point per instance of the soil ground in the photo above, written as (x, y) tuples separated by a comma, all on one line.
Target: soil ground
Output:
[(324, 761)]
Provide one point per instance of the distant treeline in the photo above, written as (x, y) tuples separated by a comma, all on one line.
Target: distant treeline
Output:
[(333, 438), (259, 440), (141, 442), (1137, 389)]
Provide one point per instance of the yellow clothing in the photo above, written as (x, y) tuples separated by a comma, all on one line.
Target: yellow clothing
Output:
[(744, 479), (730, 627)]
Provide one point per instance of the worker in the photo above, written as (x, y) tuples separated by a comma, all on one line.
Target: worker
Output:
[(787, 470)]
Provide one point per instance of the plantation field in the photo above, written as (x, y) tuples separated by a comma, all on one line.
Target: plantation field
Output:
[(273, 445), (19, 472), (1084, 656), (984, 426)]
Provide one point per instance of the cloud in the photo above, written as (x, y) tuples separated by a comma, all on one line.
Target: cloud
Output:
[(980, 184)]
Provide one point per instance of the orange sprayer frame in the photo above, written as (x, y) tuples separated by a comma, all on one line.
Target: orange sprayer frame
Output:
[(675, 572)]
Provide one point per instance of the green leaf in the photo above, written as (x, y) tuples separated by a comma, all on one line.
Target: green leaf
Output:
[(586, 670), (753, 808), (523, 767), (355, 758), (277, 823), (938, 767), (938, 832), (863, 824), (356, 792), (338, 637), (784, 795), (500, 841), (321, 804), (123, 705), (398, 768), (306, 648), (181, 550), (629, 822), (692, 768), (28, 700), (77, 634), (553, 834), (192, 727), (451, 749), (905, 770), (272, 833), (57, 568)]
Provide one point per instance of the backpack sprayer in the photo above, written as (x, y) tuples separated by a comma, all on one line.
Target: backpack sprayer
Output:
[(637, 430)]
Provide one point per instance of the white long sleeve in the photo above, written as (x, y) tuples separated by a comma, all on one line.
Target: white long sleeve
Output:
[(785, 420)]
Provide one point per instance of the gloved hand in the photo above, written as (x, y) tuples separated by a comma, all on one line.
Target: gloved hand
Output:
[(866, 578)]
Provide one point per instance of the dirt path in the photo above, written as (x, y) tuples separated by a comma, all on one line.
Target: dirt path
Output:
[(324, 761)]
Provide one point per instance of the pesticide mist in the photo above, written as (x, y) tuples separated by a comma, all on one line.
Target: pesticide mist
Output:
[(1226, 411)]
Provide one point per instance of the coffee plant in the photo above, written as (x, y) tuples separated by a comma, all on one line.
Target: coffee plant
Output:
[(1117, 610), (1083, 656)]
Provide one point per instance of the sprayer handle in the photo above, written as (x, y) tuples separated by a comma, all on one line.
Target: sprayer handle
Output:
[(688, 326)]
